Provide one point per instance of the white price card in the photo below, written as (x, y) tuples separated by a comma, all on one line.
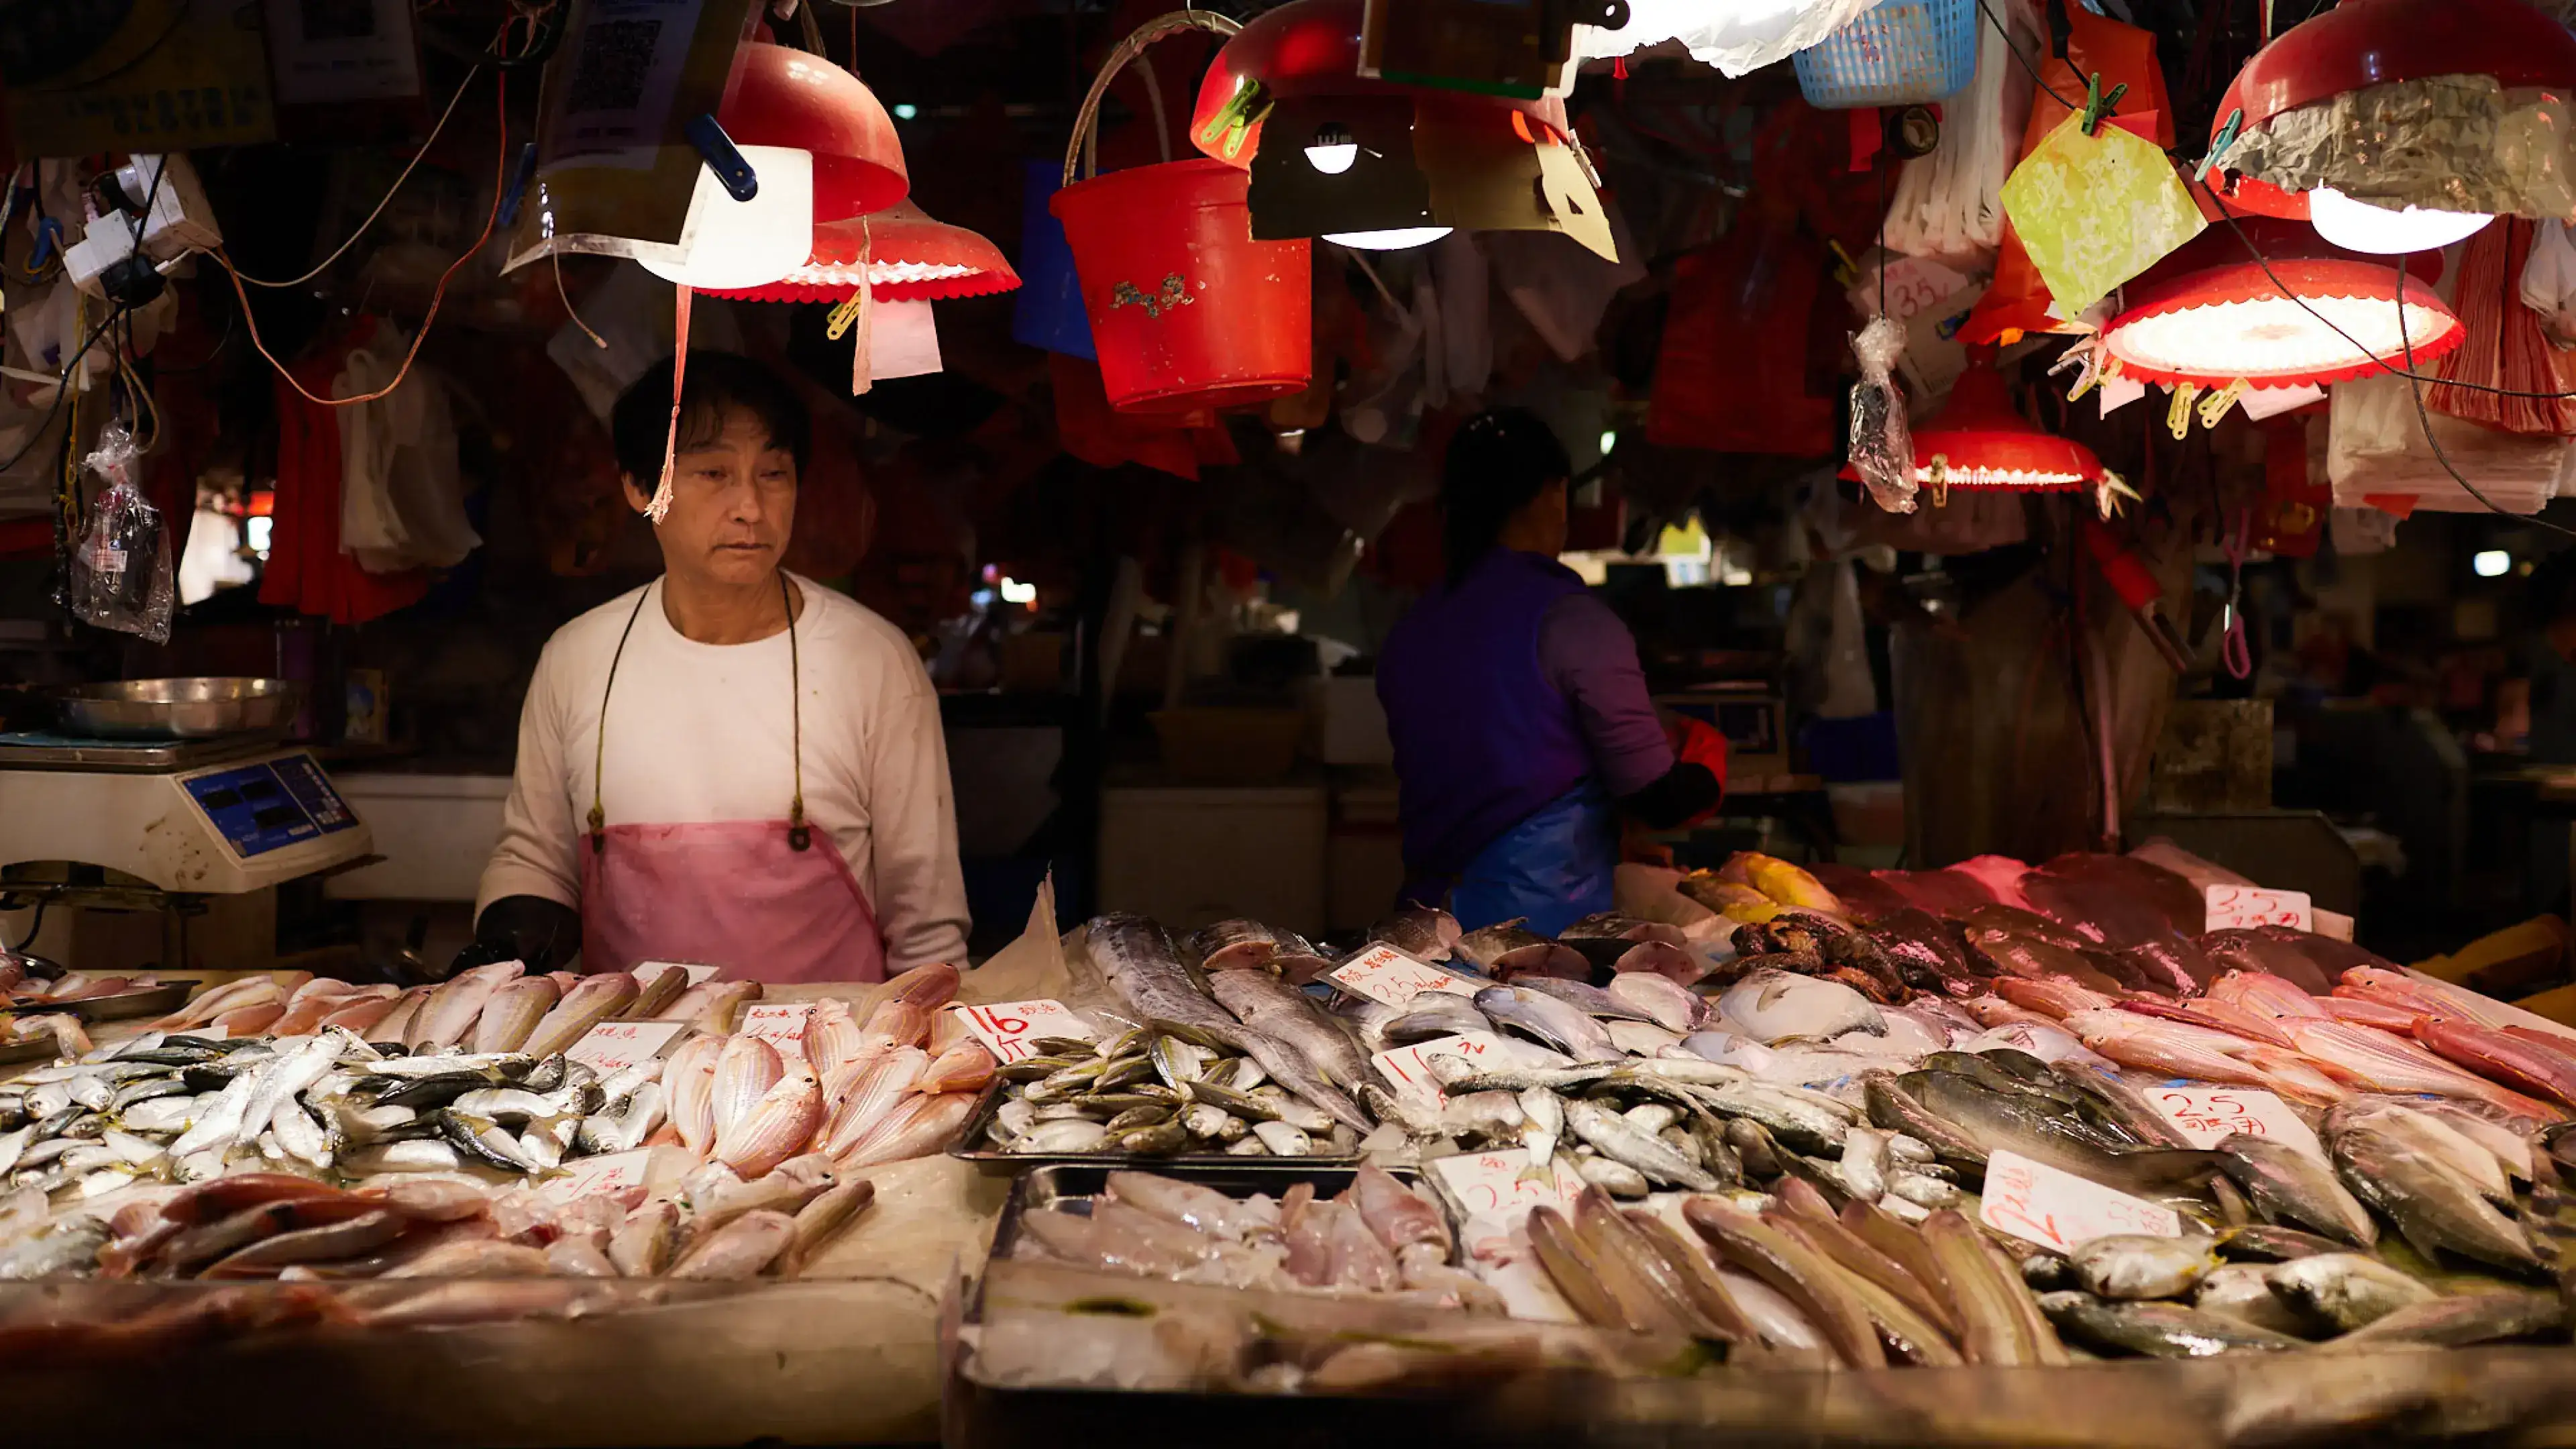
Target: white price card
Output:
[(2208, 1115), (1408, 1069), (1495, 1183), (610, 1176), (2060, 1211), (1009, 1028), (613, 1046), (779, 1023), (2232, 907), (1389, 977)]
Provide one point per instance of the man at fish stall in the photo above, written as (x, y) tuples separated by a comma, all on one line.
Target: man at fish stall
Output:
[(731, 765), (1522, 727)]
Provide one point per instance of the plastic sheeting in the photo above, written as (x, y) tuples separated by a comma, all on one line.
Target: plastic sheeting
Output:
[(2449, 142), (1736, 36), (2379, 450)]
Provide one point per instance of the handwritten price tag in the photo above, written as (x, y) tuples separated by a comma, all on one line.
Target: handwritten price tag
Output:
[(2232, 907), (1491, 1182), (1915, 285), (2060, 1211), (1387, 976), (614, 1175), (1409, 1068), (2208, 1114), (1009, 1028), (779, 1023), (613, 1046)]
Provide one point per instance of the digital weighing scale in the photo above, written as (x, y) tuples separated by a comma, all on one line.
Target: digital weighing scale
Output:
[(190, 817)]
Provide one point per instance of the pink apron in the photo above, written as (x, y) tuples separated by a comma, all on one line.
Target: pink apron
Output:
[(754, 897)]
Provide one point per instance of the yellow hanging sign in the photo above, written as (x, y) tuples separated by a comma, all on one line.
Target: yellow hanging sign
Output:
[(2094, 211)]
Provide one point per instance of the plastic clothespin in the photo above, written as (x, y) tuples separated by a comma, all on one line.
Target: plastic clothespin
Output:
[(518, 191), (2219, 143), (2109, 492), (740, 181), (49, 239), (1936, 479), (2215, 406), (843, 317), (2097, 103), (2178, 414), (1233, 121), (1846, 271), (2088, 364)]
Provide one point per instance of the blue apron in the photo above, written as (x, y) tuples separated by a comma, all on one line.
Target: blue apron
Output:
[(1554, 868)]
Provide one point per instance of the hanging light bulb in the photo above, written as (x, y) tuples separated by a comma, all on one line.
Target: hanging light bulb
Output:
[(2381, 231), (727, 243), (1334, 150), (1389, 241)]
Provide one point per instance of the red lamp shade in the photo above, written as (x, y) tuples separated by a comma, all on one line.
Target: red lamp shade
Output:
[(1310, 48), (2210, 313), (911, 258), (2362, 43), (1983, 442), (784, 97)]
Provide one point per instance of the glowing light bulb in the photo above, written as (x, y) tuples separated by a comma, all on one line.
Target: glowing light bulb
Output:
[(1608, 441), (2363, 227), (1388, 241), (1334, 150), (2493, 563)]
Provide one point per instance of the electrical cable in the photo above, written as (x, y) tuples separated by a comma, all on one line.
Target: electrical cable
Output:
[(35, 928), (500, 182), (2406, 338), (471, 75), (62, 390)]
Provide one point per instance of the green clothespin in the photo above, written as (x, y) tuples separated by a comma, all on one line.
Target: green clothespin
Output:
[(2218, 144), (1246, 108), (2097, 104)]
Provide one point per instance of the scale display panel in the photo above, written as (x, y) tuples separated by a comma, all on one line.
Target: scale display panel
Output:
[(270, 805)]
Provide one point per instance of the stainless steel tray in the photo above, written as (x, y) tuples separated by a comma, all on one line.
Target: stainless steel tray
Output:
[(159, 1000), (973, 1146), (1053, 1184), (177, 709)]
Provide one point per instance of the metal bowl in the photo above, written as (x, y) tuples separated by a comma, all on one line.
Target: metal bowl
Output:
[(178, 709)]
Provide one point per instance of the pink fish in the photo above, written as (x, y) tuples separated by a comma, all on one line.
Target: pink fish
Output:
[(2052, 996), (688, 1091), (2263, 992), (2296, 1077), (2367, 1057), (778, 1127), (1993, 1011), (2548, 1068), (2168, 1046), (2252, 1025), (2372, 1011), (2458, 1002), (921, 1125)]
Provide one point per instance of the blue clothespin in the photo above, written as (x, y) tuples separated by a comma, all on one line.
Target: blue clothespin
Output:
[(740, 181), (2098, 105), (49, 237), (2218, 145), (518, 191)]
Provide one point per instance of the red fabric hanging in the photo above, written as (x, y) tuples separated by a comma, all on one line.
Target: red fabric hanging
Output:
[(2506, 347), (1731, 374), (307, 569)]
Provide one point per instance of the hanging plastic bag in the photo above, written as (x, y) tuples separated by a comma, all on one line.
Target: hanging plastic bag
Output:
[(120, 577), (1948, 204), (1882, 443), (2549, 282), (2378, 455)]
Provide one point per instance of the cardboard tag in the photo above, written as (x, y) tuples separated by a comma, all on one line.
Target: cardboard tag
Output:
[(1491, 1182), (1915, 285), (2060, 1211), (1007, 1028), (2208, 1114), (619, 1172), (1409, 1068), (613, 1046), (1389, 977), (779, 1023), (2232, 907)]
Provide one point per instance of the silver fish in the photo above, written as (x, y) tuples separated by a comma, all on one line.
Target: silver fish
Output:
[(2344, 1291), (1141, 965), (1297, 1042), (1511, 949), (1435, 1014), (1283, 1140), (1614, 1137), (2288, 1184), (2130, 1266), (1584, 997), (1421, 932), (1551, 1021), (1610, 1175), (1663, 1000)]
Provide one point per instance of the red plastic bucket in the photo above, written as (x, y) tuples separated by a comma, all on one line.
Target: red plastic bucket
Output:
[(1187, 310)]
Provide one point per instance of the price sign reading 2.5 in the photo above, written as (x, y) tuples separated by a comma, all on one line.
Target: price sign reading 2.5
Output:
[(1500, 1183), (2060, 1211), (2232, 907), (2209, 1115)]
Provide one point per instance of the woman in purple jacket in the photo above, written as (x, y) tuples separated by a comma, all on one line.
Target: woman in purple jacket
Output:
[(1520, 717)]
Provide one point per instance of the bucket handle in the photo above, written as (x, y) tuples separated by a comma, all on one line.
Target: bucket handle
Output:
[(1078, 151)]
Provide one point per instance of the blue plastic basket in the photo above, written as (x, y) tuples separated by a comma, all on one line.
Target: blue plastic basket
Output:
[(1903, 53)]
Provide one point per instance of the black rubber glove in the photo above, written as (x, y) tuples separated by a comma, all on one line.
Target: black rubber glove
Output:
[(1680, 793), (543, 933)]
